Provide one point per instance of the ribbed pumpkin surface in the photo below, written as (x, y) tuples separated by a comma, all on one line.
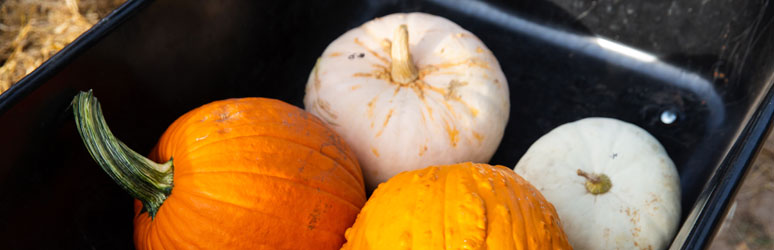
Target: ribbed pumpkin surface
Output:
[(461, 206), (253, 173)]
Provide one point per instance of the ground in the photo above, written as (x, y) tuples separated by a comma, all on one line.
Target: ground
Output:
[(749, 225)]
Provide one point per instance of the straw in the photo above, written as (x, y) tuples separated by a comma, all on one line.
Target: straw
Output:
[(31, 31)]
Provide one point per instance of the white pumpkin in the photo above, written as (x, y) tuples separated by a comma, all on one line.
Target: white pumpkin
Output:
[(410, 90), (612, 183)]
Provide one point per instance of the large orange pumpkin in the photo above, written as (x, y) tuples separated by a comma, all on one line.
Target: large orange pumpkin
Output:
[(461, 206), (249, 173)]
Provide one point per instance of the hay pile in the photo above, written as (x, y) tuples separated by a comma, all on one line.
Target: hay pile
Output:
[(31, 31)]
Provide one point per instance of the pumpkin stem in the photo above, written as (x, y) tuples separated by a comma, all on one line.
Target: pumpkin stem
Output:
[(402, 68), (596, 184), (144, 179)]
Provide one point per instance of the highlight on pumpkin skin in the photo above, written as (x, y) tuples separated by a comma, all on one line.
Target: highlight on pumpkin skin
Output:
[(144, 179), (459, 206)]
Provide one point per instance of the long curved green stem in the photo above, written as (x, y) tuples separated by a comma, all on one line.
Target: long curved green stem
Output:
[(144, 179)]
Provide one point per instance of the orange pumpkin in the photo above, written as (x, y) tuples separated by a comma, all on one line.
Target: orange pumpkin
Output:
[(249, 173), (461, 206)]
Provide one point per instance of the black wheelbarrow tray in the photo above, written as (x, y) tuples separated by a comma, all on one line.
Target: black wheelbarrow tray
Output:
[(695, 74)]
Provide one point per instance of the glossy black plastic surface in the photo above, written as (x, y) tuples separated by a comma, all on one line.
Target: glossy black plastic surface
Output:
[(707, 62)]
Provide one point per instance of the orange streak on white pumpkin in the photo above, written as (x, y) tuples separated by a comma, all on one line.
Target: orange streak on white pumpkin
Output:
[(326, 107), (453, 85), (454, 136), (420, 85), (386, 46), (449, 94), (452, 132), (472, 62), (381, 73), (478, 137), (335, 54), (370, 51), (371, 107), (386, 120), (429, 109), (397, 90), (423, 150), (417, 87), (464, 35), (355, 87), (376, 152), (497, 83), (449, 107), (473, 111), (441, 91), (427, 70), (435, 68), (381, 68)]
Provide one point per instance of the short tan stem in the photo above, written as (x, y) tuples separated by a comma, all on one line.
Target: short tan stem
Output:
[(596, 183), (402, 69)]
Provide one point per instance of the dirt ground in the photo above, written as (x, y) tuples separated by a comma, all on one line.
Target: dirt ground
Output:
[(750, 224)]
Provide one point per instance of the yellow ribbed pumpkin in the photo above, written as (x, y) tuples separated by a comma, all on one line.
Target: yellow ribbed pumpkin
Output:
[(460, 206)]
